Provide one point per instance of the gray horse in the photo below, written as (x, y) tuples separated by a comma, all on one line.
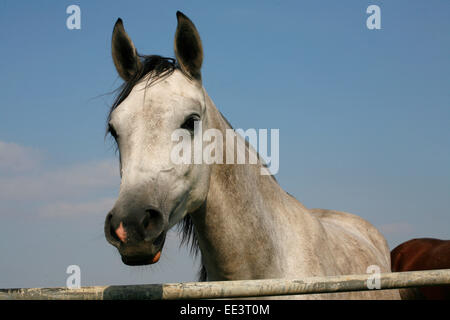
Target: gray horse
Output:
[(245, 224)]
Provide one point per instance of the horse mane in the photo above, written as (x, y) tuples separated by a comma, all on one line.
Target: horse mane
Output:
[(189, 238), (161, 67)]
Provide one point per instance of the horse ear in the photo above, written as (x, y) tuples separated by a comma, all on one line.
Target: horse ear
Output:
[(188, 47), (124, 53)]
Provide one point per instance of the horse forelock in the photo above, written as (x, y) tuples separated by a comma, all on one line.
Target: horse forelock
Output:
[(155, 66)]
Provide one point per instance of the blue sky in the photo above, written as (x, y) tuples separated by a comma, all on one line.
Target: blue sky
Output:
[(363, 118)]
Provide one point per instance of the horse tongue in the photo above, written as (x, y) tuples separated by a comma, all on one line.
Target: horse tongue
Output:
[(156, 257)]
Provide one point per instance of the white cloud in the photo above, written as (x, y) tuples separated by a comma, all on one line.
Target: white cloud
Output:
[(397, 228), (15, 158), (27, 187), (66, 182), (66, 209)]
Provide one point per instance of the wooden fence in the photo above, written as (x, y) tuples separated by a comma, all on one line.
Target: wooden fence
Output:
[(235, 289)]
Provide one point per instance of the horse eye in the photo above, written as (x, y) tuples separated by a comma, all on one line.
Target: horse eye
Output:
[(112, 131), (188, 124)]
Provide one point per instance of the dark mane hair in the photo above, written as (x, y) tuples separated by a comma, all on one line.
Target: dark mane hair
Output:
[(160, 67), (188, 238)]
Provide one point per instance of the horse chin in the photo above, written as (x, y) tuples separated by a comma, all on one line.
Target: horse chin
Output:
[(141, 260), (142, 255)]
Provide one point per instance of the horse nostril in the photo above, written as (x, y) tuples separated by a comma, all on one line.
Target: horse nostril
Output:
[(146, 221), (110, 233), (150, 216), (121, 233), (152, 225), (114, 234), (152, 213)]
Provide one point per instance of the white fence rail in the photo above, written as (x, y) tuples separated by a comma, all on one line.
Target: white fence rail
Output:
[(235, 289)]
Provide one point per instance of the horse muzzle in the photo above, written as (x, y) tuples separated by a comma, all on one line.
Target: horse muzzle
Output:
[(139, 240)]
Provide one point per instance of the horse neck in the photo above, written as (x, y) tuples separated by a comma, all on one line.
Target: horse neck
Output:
[(236, 227)]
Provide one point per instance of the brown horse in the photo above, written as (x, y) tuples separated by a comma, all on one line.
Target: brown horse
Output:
[(422, 254)]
